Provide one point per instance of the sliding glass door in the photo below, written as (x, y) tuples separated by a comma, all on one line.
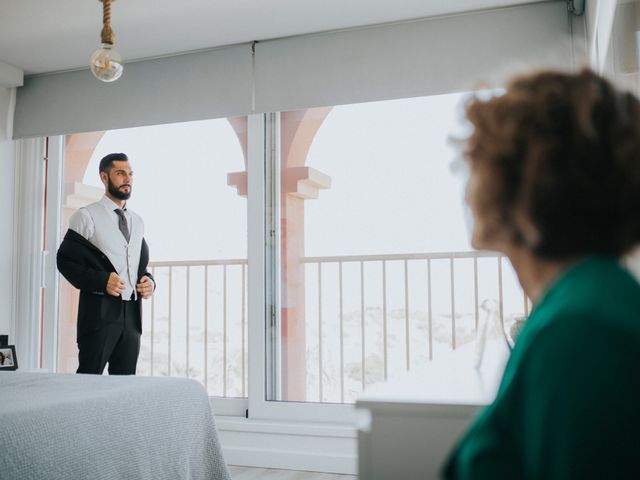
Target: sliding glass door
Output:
[(301, 257), (374, 274), (190, 189)]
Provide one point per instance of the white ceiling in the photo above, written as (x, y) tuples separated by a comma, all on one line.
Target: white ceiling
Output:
[(51, 35)]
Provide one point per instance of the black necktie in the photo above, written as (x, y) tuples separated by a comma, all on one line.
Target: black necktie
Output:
[(122, 224)]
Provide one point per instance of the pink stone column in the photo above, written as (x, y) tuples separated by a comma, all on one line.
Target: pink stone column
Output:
[(298, 130), (79, 148)]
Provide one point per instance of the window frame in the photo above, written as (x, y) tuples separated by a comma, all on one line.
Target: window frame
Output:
[(264, 262)]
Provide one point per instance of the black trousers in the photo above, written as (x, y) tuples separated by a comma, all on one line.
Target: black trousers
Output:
[(117, 344)]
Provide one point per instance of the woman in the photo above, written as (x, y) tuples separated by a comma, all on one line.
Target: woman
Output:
[(555, 185)]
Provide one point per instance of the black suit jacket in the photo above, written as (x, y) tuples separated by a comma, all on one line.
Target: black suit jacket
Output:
[(88, 269)]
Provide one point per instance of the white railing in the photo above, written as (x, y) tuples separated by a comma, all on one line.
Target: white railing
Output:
[(222, 372), (362, 262), (197, 323)]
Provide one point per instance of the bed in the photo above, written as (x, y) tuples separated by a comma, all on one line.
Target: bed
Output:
[(59, 426)]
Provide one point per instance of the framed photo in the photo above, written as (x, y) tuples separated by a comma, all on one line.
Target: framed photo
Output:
[(8, 359)]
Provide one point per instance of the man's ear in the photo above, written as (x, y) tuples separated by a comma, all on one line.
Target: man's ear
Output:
[(104, 176)]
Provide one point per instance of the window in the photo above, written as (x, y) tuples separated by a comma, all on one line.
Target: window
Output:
[(374, 268), (190, 189), (304, 256)]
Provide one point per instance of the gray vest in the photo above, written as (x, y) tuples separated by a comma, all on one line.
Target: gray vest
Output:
[(124, 256)]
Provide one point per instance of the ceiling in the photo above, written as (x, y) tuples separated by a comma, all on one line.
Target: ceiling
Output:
[(40, 36)]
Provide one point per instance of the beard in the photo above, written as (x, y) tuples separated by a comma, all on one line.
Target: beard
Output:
[(117, 193)]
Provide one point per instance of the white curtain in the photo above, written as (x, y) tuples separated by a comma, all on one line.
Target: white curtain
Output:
[(27, 251)]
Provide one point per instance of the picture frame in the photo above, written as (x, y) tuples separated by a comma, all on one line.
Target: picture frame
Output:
[(8, 359)]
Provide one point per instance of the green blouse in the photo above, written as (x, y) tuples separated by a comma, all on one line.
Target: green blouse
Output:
[(568, 406)]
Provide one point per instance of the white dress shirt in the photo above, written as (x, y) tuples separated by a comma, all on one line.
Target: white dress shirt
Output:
[(83, 223)]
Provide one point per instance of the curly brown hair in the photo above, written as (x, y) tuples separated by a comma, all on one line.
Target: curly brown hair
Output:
[(557, 158)]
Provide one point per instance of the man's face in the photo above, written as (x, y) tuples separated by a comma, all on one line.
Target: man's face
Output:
[(119, 179)]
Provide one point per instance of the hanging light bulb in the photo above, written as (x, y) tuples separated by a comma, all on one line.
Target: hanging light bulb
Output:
[(106, 63)]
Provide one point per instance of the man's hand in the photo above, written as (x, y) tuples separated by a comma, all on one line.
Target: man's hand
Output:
[(145, 287), (115, 285)]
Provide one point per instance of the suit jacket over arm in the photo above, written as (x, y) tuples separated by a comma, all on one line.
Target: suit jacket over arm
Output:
[(88, 269)]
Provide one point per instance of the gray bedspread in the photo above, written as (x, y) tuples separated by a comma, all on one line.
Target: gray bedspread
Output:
[(58, 426)]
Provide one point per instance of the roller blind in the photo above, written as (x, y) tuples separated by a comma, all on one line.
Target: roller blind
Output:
[(422, 57), (427, 57), (195, 86)]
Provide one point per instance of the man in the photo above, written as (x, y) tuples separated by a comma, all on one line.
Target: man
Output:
[(105, 256)]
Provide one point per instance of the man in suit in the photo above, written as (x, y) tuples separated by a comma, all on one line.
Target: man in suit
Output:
[(105, 256)]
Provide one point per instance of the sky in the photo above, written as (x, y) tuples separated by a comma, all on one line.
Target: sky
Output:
[(393, 189), (180, 187)]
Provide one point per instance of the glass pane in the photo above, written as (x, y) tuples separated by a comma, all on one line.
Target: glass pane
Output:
[(376, 273), (190, 189), (624, 69)]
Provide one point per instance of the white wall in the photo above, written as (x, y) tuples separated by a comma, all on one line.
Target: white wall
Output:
[(7, 170)]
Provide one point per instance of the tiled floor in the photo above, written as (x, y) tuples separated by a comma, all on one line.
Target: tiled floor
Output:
[(251, 473)]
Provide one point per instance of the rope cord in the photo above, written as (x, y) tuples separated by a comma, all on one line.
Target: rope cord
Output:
[(107, 34)]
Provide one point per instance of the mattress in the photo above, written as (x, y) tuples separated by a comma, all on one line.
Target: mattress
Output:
[(60, 426)]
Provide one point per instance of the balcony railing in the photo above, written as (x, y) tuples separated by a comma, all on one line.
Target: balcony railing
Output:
[(191, 328), (403, 309)]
